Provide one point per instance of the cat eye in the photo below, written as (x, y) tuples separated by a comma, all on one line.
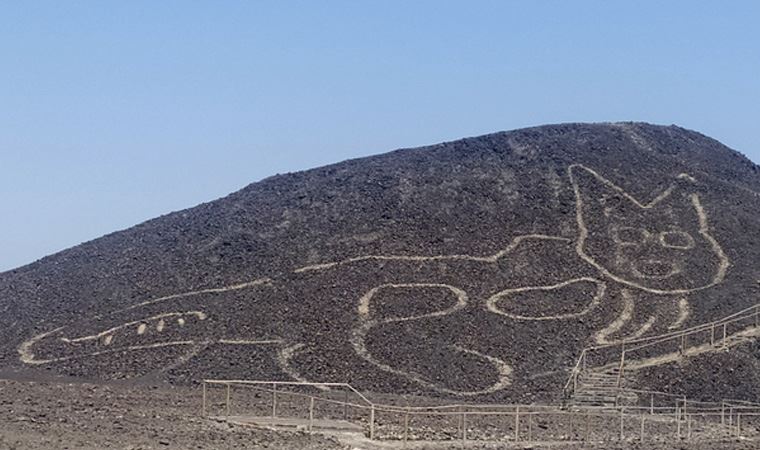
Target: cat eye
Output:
[(676, 239), (630, 235)]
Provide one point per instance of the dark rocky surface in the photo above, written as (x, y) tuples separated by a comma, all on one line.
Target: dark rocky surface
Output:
[(425, 326), (732, 374)]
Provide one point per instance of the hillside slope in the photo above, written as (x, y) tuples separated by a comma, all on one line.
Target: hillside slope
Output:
[(475, 269)]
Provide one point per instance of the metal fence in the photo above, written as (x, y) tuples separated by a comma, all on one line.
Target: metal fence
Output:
[(309, 404), (636, 353), (653, 416)]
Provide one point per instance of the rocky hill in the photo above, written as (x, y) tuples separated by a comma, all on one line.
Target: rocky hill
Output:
[(474, 269)]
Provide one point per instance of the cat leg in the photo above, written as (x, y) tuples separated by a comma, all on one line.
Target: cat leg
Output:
[(644, 314), (627, 325), (684, 312)]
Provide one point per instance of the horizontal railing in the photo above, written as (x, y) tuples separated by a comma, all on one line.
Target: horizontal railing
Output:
[(620, 353), (290, 383), (472, 422)]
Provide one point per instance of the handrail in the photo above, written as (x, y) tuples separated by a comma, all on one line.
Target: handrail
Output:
[(686, 331), (731, 400), (653, 340), (709, 326), (292, 383), (644, 391), (380, 407), (683, 408), (575, 371)]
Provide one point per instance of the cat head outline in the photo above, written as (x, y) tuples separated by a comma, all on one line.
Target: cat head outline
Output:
[(663, 246)]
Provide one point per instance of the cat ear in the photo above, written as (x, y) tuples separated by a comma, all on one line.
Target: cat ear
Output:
[(598, 196), (679, 196)]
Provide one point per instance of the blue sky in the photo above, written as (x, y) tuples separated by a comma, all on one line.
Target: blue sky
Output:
[(112, 113)]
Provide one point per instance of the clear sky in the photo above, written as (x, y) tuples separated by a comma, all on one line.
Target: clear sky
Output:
[(114, 112)]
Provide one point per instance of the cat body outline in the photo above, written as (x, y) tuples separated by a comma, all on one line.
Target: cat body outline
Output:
[(603, 271)]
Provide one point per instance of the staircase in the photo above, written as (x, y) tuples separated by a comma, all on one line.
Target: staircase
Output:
[(599, 387), (597, 382)]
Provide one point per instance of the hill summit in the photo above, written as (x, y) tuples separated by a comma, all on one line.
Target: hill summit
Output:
[(478, 268)]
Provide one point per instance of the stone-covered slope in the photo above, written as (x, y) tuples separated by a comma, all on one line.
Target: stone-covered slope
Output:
[(475, 269)]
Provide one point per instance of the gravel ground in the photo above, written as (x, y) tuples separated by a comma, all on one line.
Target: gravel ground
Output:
[(56, 415), (74, 415)]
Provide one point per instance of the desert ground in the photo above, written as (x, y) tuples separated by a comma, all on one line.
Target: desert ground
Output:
[(56, 413), (74, 415)]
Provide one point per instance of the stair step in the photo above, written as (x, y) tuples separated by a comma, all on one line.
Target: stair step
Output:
[(600, 389), (609, 404), (599, 385), (610, 398)]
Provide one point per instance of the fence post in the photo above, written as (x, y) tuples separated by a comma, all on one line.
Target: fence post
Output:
[(228, 400), (712, 335), (723, 413), (459, 422), (678, 422), (345, 406), (406, 425), (530, 427), (738, 425), (274, 400), (651, 404), (203, 409), (575, 382), (464, 427), (588, 425), (642, 427), (372, 422), (517, 424), (311, 413), (622, 365), (688, 427), (683, 344), (576, 425), (622, 431), (724, 335)]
